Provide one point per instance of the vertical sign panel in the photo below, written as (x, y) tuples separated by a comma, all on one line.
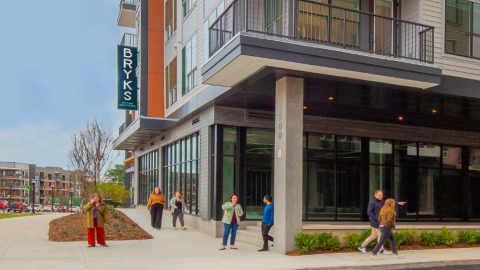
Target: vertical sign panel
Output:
[(127, 78)]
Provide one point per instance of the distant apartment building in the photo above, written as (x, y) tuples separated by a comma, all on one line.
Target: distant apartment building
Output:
[(318, 103), (14, 177), (55, 181), (17, 180)]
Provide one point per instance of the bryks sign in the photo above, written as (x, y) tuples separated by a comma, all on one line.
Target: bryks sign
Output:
[(127, 78)]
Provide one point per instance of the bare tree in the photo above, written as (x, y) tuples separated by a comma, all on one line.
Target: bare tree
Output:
[(92, 153)]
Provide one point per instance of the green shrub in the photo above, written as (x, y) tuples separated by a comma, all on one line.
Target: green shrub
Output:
[(305, 242), (111, 207), (429, 239), (467, 237), (446, 237), (352, 240), (412, 237), (328, 242), (364, 235)]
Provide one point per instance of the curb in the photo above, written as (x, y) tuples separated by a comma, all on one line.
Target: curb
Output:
[(409, 265)]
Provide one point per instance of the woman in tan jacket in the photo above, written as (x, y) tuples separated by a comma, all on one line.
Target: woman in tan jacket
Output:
[(156, 203), (97, 217), (387, 224)]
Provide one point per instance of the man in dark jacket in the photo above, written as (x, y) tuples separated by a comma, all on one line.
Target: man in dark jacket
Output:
[(374, 207)]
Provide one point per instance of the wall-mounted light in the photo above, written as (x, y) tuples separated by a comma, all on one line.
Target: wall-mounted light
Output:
[(330, 98), (400, 118), (304, 107), (434, 111)]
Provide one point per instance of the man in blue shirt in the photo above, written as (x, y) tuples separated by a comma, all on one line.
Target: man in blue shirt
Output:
[(267, 222)]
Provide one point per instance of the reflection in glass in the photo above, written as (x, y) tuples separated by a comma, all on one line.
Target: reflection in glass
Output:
[(381, 151), (349, 191), (458, 15), (228, 177), (457, 43), (260, 146), (406, 189), (381, 179), (321, 147), (321, 191), (429, 155), (452, 194), (429, 207)]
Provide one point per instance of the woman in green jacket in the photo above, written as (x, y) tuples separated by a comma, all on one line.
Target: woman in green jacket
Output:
[(97, 216), (231, 220)]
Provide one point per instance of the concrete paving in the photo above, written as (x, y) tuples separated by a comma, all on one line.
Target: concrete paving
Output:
[(24, 245)]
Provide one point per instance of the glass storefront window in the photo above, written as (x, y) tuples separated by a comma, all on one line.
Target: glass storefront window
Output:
[(381, 151), (321, 147), (474, 188), (148, 175), (181, 174)]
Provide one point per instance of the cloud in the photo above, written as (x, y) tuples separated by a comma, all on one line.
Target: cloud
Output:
[(43, 144)]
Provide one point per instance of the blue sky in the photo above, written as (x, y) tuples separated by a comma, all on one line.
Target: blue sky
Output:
[(58, 70)]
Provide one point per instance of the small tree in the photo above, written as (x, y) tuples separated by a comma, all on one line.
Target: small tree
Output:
[(92, 150), (115, 192), (116, 174), (91, 154)]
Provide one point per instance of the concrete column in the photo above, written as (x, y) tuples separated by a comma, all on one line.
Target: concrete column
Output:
[(288, 162)]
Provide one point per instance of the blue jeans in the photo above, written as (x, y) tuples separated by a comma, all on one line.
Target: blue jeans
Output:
[(233, 227)]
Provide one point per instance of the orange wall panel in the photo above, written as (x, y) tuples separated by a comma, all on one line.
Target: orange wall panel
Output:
[(155, 51), (155, 95), (155, 14)]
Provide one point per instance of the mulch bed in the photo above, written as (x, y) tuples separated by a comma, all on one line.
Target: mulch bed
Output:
[(71, 228), (412, 247)]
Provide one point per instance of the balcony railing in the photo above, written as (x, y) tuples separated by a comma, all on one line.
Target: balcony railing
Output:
[(325, 24), (129, 40)]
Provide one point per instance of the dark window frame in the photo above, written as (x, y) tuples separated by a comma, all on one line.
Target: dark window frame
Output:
[(470, 33)]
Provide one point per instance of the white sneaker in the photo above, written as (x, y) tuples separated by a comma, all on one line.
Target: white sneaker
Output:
[(385, 252), (375, 257), (363, 250), (399, 256)]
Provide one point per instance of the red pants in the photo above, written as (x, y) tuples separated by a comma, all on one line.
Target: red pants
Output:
[(100, 234)]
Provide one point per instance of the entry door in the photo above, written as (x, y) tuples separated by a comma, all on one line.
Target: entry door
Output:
[(383, 28)]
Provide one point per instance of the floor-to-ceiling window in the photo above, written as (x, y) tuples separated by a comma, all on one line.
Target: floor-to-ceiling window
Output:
[(452, 183), (474, 187), (180, 170), (260, 145), (147, 175), (333, 177)]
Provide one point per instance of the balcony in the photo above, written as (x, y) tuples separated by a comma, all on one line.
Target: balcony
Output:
[(126, 14), (129, 40), (320, 38)]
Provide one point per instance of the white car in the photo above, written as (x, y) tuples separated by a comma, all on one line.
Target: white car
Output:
[(47, 208), (38, 207)]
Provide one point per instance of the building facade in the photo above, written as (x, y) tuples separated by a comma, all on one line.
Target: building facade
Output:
[(55, 182), (318, 103), (14, 177)]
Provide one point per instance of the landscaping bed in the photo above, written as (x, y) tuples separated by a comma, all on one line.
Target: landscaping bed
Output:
[(321, 243), (71, 228)]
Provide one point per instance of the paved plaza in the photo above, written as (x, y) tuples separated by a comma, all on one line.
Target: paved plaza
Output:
[(24, 245)]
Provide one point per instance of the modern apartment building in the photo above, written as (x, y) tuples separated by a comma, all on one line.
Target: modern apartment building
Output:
[(14, 177), (55, 182), (318, 103)]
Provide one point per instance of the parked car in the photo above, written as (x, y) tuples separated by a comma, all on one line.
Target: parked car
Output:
[(25, 207), (3, 204), (73, 209), (55, 208), (47, 208), (38, 207), (61, 209), (16, 207)]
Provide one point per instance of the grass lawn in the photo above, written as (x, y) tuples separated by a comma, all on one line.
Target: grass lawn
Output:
[(13, 215)]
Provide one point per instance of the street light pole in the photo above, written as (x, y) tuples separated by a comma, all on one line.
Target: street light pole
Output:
[(33, 197), (71, 200)]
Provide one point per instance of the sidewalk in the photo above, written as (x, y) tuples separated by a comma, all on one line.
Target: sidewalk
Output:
[(24, 245)]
